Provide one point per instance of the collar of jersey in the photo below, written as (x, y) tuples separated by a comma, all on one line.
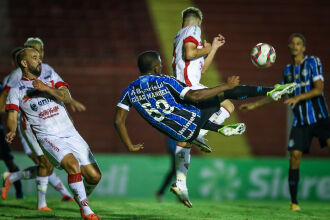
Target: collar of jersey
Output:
[(301, 61), (26, 79)]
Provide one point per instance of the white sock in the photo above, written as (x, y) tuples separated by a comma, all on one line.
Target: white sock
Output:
[(182, 160), (58, 185), (220, 116), (89, 187), (42, 183), (16, 176), (77, 187), (28, 173)]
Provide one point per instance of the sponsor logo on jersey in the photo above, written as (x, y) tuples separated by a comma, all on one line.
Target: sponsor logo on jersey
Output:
[(34, 107), (48, 113), (186, 126), (44, 102)]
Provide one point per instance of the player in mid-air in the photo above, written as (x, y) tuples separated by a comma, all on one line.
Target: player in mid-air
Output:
[(43, 171), (52, 126), (311, 115), (176, 109), (191, 59)]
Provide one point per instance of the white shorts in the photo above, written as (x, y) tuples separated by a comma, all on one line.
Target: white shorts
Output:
[(28, 139), (55, 148)]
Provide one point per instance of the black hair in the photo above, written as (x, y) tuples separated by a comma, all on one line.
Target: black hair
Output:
[(298, 35), (147, 61)]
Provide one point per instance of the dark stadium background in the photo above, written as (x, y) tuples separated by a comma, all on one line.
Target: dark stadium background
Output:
[(93, 45)]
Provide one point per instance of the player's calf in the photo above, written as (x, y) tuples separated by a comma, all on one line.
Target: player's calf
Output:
[(92, 176)]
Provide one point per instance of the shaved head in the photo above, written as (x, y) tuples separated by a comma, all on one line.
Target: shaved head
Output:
[(148, 60)]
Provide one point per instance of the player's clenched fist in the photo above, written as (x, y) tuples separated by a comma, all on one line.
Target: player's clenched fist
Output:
[(39, 85), (10, 137), (232, 81)]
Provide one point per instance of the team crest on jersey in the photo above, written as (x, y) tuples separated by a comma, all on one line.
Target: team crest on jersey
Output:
[(297, 76), (304, 72), (34, 107), (289, 76)]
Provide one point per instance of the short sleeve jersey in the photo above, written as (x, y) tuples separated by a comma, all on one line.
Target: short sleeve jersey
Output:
[(187, 71), (309, 111), (45, 114), (158, 99)]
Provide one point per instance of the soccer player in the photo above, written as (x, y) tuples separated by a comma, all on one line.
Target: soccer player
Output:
[(191, 59), (311, 116), (177, 110), (188, 65), (5, 151), (41, 97), (43, 171)]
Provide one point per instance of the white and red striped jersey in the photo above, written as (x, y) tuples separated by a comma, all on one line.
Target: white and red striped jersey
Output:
[(15, 76), (44, 113), (187, 71)]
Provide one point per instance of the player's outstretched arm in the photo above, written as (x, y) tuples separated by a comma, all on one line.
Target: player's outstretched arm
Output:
[(12, 126), (61, 94), (120, 118), (216, 44), (204, 94), (254, 105)]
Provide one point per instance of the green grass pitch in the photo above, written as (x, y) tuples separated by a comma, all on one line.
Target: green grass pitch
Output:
[(169, 209)]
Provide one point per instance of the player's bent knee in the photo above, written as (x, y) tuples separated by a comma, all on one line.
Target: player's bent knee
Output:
[(70, 164), (92, 174), (227, 104)]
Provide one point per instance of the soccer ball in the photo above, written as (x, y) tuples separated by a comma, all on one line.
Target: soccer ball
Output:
[(263, 55)]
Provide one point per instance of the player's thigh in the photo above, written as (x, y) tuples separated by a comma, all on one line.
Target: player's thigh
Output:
[(81, 150), (300, 139), (55, 149)]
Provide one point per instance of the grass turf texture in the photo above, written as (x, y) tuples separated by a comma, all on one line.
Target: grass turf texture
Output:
[(169, 209)]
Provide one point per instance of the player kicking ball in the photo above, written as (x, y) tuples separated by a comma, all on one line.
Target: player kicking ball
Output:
[(179, 111), (41, 99)]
